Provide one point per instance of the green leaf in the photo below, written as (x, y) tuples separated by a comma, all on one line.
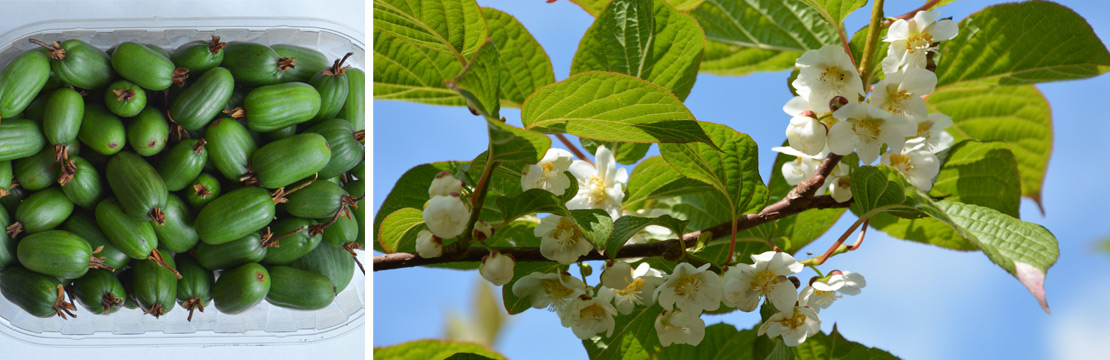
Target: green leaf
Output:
[(878, 189), (593, 7), (431, 350), (733, 170), (652, 42), (410, 191), (455, 27), (525, 66), (480, 81), (782, 25), (624, 153), (571, 190), (1022, 43), (834, 11), (467, 356), (513, 304), (805, 227), (611, 107), (733, 60), (403, 71), (399, 229), (595, 224), (1016, 115), (531, 202), (510, 143), (1025, 250), (653, 179), (857, 43), (835, 347), (722, 341), (627, 226), (634, 337)]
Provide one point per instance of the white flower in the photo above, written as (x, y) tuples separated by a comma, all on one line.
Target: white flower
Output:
[(446, 216), (915, 162), (900, 94), (839, 183), (865, 128), (932, 129), (795, 325), (679, 327), (560, 239), (796, 106), (444, 184), (482, 230), (497, 268), (826, 73), (548, 173), (911, 40), (824, 291), (428, 245), (802, 167), (633, 288), (548, 290), (690, 289), (587, 316), (746, 284), (806, 134), (600, 186)]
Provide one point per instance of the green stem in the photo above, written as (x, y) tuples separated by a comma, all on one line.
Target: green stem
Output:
[(478, 199), (873, 30), (819, 274)]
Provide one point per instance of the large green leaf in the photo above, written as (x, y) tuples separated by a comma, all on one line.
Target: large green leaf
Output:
[(627, 226), (652, 42), (410, 191), (733, 170), (634, 337), (733, 60), (783, 25), (480, 81), (653, 179), (835, 347), (975, 173), (510, 143), (1022, 43), (1016, 115), (834, 11), (611, 107), (403, 71), (595, 7), (722, 341), (431, 350), (399, 229), (878, 189), (455, 27), (1025, 250), (525, 66)]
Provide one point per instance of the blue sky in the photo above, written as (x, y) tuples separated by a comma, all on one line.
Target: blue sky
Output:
[(920, 301)]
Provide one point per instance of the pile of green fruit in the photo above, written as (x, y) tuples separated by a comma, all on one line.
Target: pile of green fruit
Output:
[(139, 178)]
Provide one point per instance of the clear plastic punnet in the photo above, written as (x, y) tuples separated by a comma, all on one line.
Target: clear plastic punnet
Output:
[(263, 324)]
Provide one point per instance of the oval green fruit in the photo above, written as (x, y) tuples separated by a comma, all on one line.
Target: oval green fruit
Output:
[(354, 110), (38, 171), (102, 131), (230, 147), (247, 249), (199, 56), (299, 289), (61, 119), (132, 237), (141, 192), (183, 163), (44, 210), (83, 186), (194, 289), (303, 62), (84, 225), (273, 107), (21, 81), (156, 285), (239, 289), (19, 138), (330, 261), (7, 243), (321, 199), (146, 67), (285, 161), (35, 293), (199, 103), (80, 64), (333, 86), (99, 291), (290, 247), (147, 132), (252, 64), (177, 234), (125, 98), (235, 215), (202, 190), (347, 150), (56, 253)]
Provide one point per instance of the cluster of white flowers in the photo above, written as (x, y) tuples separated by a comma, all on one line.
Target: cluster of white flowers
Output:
[(830, 115)]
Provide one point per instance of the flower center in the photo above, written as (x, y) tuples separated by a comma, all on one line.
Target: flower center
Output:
[(595, 311), (547, 167), (794, 322), (919, 41), (834, 77), (566, 234), (632, 288), (597, 190), (687, 287), (902, 162), (764, 281), (868, 128), (556, 290), (923, 129), (896, 102)]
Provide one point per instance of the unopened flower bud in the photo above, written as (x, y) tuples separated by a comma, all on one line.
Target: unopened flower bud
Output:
[(482, 230), (428, 245), (837, 102), (497, 268), (446, 216), (444, 184), (797, 283), (586, 269), (808, 113)]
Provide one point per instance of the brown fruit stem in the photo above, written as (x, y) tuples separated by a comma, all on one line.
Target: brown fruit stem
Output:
[(108, 301), (214, 47), (56, 51), (175, 128), (69, 169), (287, 63), (202, 191), (179, 76), (337, 68), (155, 310), (97, 262), (191, 304), (237, 113), (350, 247), (360, 136), (200, 145), (279, 195), (156, 257), (157, 215), (14, 229), (250, 179), (269, 240), (61, 307), (4, 192), (124, 94), (60, 153)]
